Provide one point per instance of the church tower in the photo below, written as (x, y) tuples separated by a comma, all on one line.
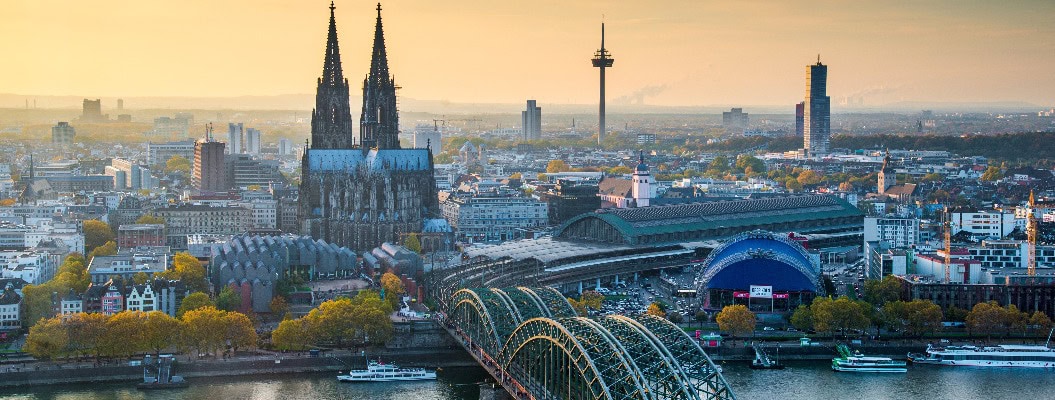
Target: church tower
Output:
[(379, 124), (331, 120), (887, 175), (642, 183)]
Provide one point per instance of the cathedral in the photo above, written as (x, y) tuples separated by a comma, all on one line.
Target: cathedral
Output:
[(361, 194)]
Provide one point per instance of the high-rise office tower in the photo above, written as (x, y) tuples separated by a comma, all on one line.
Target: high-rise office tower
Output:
[(800, 118), (234, 138), (285, 147), (252, 141), (817, 110), (531, 121), (210, 173), (602, 59)]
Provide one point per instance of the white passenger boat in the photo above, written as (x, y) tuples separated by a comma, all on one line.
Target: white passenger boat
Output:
[(378, 372), (859, 363), (1003, 356)]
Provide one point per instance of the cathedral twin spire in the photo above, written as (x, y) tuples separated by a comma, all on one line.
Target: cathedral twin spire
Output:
[(331, 123)]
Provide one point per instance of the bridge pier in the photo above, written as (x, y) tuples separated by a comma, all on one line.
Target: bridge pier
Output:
[(580, 288), (598, 286)]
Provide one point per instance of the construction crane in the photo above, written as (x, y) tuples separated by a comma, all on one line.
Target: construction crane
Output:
[(1031, 236), (948, 243)]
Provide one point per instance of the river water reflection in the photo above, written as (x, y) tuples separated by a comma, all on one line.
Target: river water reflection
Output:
[(800, 381)]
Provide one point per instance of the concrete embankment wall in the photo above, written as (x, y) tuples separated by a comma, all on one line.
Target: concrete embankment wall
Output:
[(414, 345), (814, 352)]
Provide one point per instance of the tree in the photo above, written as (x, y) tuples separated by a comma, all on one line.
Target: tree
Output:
[(140, 278), (150, 219), (177, 164), (159, 331), (108, 249), (656, 309), (793, 185), (592, 299), (1040, 322), (47, 339), (991, 174), (846, 187), (412, 243), (238, 331), (955, 314), (579, 307), (124, 334), (675, 317), (746, 162), (515, 175), (557, 166), (986, 318), (188, 269), (879, 292), (279, 306), (96, 233), (292, 334), (204, 329), (933, 177), (736, 319), (700, 317), (915, 318), (229, 299), (619, 170), (193, 302), (809, 177), (86, 332), (802, 318), (393, 289)]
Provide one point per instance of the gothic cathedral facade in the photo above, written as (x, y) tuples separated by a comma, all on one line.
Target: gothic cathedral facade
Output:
[(361, 194)]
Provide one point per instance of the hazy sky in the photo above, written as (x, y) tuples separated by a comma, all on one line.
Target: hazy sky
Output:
[(695, 52)]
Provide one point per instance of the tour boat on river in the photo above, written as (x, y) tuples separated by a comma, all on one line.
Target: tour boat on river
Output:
[(378, 372), (860, 363), (1003, 356)]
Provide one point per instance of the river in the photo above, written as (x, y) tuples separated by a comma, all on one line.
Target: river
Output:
[(800, 381)]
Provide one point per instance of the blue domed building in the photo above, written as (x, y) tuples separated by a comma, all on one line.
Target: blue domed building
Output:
[(765, 271)]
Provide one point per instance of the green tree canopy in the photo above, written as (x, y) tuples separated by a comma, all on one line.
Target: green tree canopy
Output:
[(194, 301), (96, 233), (229, 299), (557, 166), (177, 164)]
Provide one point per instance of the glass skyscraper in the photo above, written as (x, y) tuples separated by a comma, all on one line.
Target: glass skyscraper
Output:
[(817, 110)]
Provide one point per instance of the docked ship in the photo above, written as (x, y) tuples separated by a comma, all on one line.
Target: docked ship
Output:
[(378, 372), (1003, 356), (868, 364), (856, 362)]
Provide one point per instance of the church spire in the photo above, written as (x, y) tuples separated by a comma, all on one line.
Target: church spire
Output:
[(379, 123), (331, 120), (379, 59), (331, 67)]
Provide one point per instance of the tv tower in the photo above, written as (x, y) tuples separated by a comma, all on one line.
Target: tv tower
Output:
[(602, 59)]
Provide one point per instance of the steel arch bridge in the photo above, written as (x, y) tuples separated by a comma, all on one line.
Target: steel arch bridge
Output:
[(534, 337)]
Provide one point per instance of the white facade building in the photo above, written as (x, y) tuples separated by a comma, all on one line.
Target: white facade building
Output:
[(896, 232), (983, 224), (494, 219)]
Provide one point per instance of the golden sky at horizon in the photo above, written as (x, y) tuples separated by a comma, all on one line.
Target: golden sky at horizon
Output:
[(673, 52)]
